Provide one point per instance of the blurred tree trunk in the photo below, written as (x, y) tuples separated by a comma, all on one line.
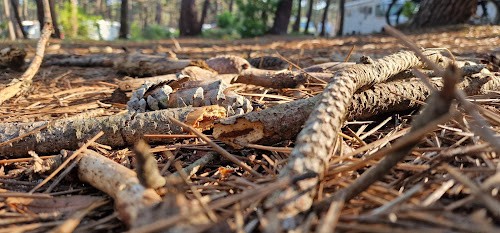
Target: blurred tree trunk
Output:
[(231, 3), (57, 32), (325, 17), (188, 22), (204, 11), (98, 7), (74, 20), (443, 12), (124, 20), (41, 17), (159, 13), (282, 17), (20, 32), (340, 28), (12, 32), (309, 14), (296, 25)]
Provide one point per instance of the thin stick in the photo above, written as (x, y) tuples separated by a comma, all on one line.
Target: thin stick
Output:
[(350, 53), (6, 161), (215, 146), (76, 153)]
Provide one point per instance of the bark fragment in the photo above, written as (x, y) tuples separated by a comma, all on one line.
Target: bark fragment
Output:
[(12, 57)]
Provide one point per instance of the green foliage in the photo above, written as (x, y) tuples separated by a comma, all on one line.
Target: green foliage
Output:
[(84, 21), (152, 32), (226, 20), (221, 33), (409, 9), (254, 16), (156, 32)]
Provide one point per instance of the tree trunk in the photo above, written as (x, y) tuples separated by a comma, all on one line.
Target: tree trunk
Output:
[(296, 25), (57, 32), (309, 14), (443, 12), (39, 12), (74, 21), (124, 20), (325, 16), (282, 17), (159, 13), (188, 23), (98, 7), (341, 13), (15, 8), (12, 31), (204, 11), (231, 3)]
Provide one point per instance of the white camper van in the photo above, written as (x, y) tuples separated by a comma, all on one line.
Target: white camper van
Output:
[(368, 16)]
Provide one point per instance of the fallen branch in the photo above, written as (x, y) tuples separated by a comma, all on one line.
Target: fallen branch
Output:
[(94, 60), (23, 83), (119, 182), (277, 79), (284, 122), (150, 65), (317, 139), (120, 130)]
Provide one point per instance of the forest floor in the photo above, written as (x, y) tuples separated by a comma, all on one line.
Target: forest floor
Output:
[(69, 91)]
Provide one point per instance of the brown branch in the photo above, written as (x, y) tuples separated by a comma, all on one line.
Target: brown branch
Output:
[(120, 130), (283, 122), (119, 182), (23, 83), (277, 79)]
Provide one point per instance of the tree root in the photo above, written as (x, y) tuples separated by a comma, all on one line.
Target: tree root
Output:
[(120, 130)]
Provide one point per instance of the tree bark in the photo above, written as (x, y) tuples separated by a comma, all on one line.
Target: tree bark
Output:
[(74, 22), (341, 13), (282, 17), (15, 9), (159, 13), (57, 32), (231, 3), (12, 32), (204, 11), (325, 16), (124, 20), (296, 25), (443, 12), (309, 14), (188, 22)]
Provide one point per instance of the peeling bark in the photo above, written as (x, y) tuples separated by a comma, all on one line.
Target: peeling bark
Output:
[(119, 130)]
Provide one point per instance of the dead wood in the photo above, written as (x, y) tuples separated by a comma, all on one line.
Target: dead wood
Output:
[(228, 64), (328, 66), (119, 182), (92, 60), (283, 122), (438, 106), (190, 73), (268, 63), (23, 83), (12, 57), (317, 139), (151, 65), (121, 130), (147, 170), (277, 79)]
